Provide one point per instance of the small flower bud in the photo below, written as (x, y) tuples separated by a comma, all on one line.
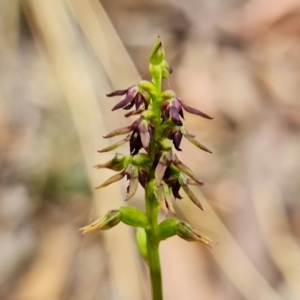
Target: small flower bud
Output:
[(111, 219), (157, 54), (133, 217), (156, 72), (186, 232), (116, 164), (167, 95), (148, 115), (141, 159), (166, 229), (165, 144), (147, 86), (141, 240), (166, 70)]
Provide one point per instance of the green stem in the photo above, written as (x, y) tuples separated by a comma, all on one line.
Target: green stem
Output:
[(152, 208), (155, 272), (153, 248)]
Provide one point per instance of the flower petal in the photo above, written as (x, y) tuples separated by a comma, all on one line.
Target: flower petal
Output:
[(144, 133), (129, 106), (143, 177), (177, 140), (132, 188), (169, 199), (124, 102), (175, 115), (117, 93), (119, 131), (192, 182), (134, 112), (192, 197), (160, 197), (116, 145), (175, 190), (197, 144), (111, 180), (185, 169), (159, 172), (161, 167), (135, 143), (195, 111)]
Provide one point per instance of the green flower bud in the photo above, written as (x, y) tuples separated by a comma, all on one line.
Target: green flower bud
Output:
[(166, 70), (111, 219), (148, 115), (165, 144), (141, 240), (141, 159), (133, 217), (166, 229), (156, 72), (118, 163), (147, 86), (186, 232), (157, 54), (167, 95)]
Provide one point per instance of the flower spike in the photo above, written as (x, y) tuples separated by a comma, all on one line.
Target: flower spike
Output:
[(152, 137), (152, 163)]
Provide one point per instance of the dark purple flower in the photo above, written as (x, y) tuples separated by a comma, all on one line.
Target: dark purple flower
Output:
[(134, 175), (175, 134), (175, 182), (166, 159), (141, 135), (172, 107), (134, 96)]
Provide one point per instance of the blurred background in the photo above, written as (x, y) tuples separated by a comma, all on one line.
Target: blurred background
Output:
[(236, 60)]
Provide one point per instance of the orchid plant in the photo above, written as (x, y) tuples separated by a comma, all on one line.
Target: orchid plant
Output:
[(153, 164)]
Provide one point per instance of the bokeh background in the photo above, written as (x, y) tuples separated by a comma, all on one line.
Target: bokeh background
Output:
[(236, 60)]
